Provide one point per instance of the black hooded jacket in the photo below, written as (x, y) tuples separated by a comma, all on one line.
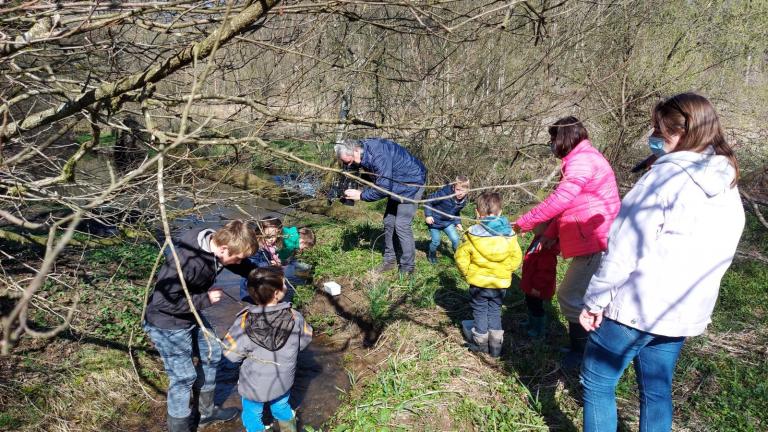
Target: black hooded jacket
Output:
[(168, 307)]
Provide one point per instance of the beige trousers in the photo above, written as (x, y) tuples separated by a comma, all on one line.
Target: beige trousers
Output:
[(570, 293)]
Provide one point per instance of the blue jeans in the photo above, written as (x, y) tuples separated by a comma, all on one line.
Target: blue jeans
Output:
[(253, 410), (450, 231), (486, 308), (609, 350), (177, 348)]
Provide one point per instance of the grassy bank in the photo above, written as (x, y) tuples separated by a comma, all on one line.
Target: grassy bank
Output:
[(429, 381), (85, 379)]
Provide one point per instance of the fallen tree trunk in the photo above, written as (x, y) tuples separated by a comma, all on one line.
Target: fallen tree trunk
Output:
[(266, 189)]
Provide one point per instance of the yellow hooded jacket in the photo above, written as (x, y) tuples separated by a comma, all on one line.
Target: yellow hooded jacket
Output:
[(486, 259)]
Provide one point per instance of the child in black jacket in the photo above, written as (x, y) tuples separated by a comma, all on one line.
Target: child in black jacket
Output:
[(171, 325)]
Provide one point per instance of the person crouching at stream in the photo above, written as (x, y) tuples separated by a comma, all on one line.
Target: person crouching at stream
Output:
[(486, 259), (172, 325), (267, 338), (295, 241), (267, 232)]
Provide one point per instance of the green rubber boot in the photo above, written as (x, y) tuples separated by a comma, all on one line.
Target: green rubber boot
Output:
[(537, 326)]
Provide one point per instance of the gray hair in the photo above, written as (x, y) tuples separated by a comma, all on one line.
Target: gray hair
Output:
[(347, 147)]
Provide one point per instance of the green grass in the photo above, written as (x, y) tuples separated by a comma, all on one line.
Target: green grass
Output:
[(723, 391), (715, 389), (303, 297), (743, 301), (10, 420), (133, 260), (105, 140), (323, 323)]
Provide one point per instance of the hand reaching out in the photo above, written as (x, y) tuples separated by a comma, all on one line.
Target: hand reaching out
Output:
[(214, 295), (352, 194)]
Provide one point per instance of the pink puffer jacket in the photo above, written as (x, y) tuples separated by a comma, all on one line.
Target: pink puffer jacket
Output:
[(585, 203)]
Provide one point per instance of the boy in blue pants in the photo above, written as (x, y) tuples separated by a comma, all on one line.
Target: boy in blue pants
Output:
[(442, 215)]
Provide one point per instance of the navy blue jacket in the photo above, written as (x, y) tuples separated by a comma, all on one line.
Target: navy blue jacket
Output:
[(449, 205), (393, 169)]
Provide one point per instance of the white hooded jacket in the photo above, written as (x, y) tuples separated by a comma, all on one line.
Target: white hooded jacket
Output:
[(674, 238)]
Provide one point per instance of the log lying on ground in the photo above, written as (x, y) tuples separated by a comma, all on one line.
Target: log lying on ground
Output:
[(247, 181)]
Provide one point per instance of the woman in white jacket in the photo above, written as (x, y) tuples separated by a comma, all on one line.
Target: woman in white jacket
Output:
[(674, 238)]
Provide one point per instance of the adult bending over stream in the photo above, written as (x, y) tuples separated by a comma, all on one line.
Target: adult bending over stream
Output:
[(400, 175), (582, 208)]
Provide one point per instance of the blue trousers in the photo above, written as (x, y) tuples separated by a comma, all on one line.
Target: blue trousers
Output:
[(253, 410), (486, 308), (176, 348), (609, 351), (450, 231)]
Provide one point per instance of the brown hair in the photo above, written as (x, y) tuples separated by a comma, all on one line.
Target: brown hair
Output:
[(264, 282), (237, 237), (262, 225), (693, 118), (488, 203), (565, 134), (462, 180), (308, 236)]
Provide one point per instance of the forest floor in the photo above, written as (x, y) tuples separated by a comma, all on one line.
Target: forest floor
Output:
[(403, 351)]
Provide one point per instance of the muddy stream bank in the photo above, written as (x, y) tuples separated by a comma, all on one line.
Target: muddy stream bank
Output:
[(322, 376)]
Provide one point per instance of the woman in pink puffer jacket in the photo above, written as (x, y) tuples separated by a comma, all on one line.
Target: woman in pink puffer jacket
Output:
[(583, 206)]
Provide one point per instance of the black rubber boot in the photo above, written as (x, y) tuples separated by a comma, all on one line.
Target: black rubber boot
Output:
[(176, 424), (578, 337), (211, 414), (432, 257)]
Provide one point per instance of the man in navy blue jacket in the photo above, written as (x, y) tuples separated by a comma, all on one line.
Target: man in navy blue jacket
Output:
[(399, 176)]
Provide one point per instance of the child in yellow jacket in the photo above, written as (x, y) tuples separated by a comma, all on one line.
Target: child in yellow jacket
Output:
[(486, 258)]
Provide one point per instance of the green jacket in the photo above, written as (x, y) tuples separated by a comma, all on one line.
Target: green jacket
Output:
[(290, 243)]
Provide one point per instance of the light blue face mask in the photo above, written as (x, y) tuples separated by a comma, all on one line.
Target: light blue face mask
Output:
[(656, 144)]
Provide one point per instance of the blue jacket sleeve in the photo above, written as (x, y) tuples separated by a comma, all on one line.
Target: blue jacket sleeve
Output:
[(428, 204)]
